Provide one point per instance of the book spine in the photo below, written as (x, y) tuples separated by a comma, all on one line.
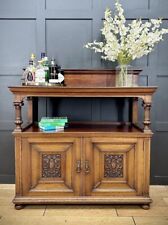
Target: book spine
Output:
[(51, 128), (52, 124)]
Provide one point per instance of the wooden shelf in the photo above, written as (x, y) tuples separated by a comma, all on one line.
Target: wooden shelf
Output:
[(135, 93), (48, 91), (85, 129)]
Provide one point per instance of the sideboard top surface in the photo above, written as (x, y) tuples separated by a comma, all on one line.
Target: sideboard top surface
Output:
[(50, 91)]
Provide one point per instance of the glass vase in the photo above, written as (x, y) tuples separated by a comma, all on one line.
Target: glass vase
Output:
[(125, 76)]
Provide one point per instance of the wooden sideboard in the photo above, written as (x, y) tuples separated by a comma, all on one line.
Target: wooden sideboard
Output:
[(88, 163)]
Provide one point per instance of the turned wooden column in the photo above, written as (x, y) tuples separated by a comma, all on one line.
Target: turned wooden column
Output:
[(147, 102), (18, 115)]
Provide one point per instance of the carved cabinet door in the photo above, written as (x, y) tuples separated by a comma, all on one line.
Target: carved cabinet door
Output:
[(114, 166), (51, 166)]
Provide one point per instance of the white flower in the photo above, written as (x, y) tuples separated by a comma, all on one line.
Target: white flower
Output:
[(126, 43)]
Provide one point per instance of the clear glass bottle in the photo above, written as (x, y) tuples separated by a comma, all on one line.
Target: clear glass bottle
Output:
[(29, 72), (40, 74)]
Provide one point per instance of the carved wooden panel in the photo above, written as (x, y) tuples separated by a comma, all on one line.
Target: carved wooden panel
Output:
[(51, 165), (113, 165)]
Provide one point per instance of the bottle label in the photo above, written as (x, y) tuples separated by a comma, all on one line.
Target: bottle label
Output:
[(40, 76), (29, 77)]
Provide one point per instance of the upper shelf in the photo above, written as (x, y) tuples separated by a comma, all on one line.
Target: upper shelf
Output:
[(47, 91), (85, 83)]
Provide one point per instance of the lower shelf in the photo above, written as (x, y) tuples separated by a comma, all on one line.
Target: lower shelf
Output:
[(89, 127)]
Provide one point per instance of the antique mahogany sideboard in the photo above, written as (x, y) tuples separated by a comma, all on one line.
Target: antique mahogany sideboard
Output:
[(89, 162)]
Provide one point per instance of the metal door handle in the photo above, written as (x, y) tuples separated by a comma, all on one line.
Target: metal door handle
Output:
[(78, 166), (87, 167)]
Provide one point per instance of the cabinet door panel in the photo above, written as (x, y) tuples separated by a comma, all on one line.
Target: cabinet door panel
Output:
[(49, 166), (116, 166)]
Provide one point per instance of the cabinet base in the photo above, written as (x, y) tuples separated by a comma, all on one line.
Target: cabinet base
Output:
[(144, 201)]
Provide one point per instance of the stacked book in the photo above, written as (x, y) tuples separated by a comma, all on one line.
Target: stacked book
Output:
[(53, 123)]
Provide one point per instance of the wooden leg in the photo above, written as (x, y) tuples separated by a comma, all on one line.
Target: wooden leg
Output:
[(147, 106), (18, 115), (18, 207), (146, 206)]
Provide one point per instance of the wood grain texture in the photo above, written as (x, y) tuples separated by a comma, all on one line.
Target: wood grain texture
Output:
[(89, 185), (48, 91), (92, 78), (87, 163)]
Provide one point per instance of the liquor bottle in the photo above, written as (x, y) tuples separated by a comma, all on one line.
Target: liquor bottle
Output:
[(46, 68), (54, 73), (29, 72), (45, 64), (57, 76), (40, 72), (43, 54), (33, 57), (52, 68)]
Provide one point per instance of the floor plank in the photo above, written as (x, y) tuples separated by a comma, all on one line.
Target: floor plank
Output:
[(36, 210), (68, 220), (151, 220), (92, 211), (7, 186), (137, 211), (165, 200)]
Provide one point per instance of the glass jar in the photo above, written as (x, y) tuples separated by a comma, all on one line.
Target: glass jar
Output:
[(125, 76)]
